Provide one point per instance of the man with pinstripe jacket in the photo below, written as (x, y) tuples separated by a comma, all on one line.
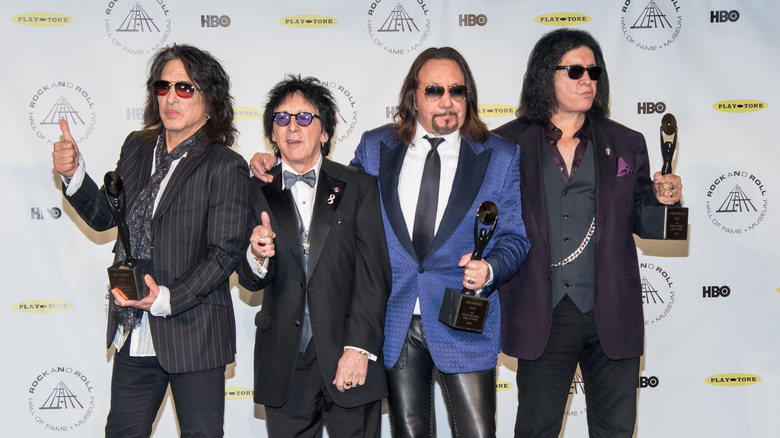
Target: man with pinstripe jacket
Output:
[(187, 198)]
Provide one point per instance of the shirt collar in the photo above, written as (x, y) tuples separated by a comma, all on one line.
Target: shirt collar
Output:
[(452, 139)]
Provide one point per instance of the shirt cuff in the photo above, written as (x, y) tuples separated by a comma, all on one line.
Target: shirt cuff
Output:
[(73, 184), (371, 357), (162, 305), (259, 269)]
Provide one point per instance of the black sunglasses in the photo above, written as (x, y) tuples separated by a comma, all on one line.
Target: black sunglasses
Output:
[(576, 71), (302, 119), (183, 89), (435, 92)]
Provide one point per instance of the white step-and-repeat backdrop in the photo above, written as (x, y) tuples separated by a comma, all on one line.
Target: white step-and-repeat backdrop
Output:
[(712, 360)]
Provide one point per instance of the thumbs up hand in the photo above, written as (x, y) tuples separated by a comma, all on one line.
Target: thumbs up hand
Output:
[(66, 153)]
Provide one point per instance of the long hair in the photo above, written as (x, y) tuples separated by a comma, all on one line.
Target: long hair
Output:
[(406, 116), (212, 81), (537, 98), (314, 93)]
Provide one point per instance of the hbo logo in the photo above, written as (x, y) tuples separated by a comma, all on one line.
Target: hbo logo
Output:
[(472, 20), (650, 108), (715, 291), (645, 382), (724, 16), (214, 21)]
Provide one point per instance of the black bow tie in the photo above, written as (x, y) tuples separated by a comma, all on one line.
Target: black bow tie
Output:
[(290, 178)]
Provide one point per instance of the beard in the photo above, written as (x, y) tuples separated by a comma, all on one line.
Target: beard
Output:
[(444, 129)]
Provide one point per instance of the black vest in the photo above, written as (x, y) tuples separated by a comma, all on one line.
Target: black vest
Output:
[(570, 209)]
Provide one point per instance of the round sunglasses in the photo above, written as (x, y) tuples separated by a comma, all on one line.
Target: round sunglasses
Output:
[(576, 71), (302, 119), (183, 89)]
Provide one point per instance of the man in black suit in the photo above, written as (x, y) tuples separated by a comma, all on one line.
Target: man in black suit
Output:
[(319, 252), (577, 297), (186, 194)]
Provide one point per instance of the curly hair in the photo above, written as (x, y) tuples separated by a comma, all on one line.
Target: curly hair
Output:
[(212, 81), (537, 98), (313, 92), (406, 115)]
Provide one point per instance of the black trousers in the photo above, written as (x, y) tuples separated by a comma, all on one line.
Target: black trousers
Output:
[(138, 385), (543, 385), (470, 397), (310, 406)]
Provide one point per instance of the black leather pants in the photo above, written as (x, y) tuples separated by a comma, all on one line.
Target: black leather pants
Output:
[(470, 397)]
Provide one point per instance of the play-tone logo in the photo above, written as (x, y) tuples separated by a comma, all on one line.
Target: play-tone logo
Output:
[(246, 113), (740, 106), (495, 110), (42, 306), (398, 27), (503, 386), (732, 379), (238, 393), (650, 25), (42, 19), (562, 19), (308, 21)]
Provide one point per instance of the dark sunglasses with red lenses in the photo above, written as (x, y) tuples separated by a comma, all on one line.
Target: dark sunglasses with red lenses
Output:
[(183, 89), (576, 71), (302, 119), (436, 92)]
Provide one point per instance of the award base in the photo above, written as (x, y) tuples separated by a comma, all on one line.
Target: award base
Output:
[(664, 222), (130, 279), (463, 312)]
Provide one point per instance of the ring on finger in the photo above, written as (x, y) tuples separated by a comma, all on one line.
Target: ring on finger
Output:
[(672, 186), (262, 254), (470, 281)]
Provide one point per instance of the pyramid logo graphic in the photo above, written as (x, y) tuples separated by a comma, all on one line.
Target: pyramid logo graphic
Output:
[(62, 110), (398, 21), (61, 398), (736, 202), (651, 18), (137, 20), (650, 293)]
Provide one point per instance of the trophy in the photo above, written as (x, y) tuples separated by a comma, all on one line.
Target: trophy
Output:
[(125, 276), (663, 221), (464, 309)]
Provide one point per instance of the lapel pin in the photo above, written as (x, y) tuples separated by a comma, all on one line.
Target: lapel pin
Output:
[(331, 197), (609, 151)]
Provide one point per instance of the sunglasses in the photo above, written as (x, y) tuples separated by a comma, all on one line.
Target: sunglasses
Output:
[(576, 71), (302, 119), (183, 89), (435, 92)]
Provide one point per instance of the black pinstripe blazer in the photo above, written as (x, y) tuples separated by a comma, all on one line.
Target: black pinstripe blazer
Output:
[(199, 231)]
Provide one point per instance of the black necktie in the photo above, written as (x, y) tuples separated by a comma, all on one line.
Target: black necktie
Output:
[(290, 178), (425, 216)]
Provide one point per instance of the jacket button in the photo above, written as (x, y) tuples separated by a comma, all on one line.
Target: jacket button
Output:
[(420, 269), (297, 323)]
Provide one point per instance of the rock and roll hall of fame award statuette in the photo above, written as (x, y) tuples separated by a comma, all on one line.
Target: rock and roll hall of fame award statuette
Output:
[(665, 221), (466, 309), (126, 276)]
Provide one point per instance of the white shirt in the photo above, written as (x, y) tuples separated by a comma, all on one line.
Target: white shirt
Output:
[(141, 343)]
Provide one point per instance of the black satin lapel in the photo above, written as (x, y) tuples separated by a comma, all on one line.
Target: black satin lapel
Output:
[(468, 180), (326, 202), (390, 161), (281, 203)]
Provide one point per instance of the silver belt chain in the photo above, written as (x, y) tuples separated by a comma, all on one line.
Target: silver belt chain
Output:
[(581, 248)]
